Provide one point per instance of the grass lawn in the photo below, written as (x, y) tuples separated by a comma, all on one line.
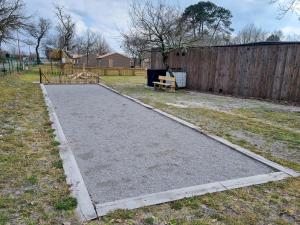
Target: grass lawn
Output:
[(32, 182), (33, 188)]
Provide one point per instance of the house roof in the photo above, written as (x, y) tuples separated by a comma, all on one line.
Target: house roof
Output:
[(67, 53), (111, 53), (77, 56)]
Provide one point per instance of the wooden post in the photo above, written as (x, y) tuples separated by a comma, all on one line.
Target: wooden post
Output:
[(3, 67), (98, 77), (12, 65), (20, 57), (59, 77), (9, 66), (40, 75)]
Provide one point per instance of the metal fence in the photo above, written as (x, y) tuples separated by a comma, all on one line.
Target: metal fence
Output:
[(10, 65)]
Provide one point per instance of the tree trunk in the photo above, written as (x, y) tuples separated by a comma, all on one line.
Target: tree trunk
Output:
[(134, 61), (87, 59), (215, 30), (165, 60), (38, 60)]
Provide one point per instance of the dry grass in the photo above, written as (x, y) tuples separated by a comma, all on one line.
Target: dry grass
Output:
[(32, 189)]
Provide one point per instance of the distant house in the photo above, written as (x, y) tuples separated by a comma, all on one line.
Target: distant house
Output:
[(58, 55), (90, 61), (67, 57), (53, 54), (113, 59)]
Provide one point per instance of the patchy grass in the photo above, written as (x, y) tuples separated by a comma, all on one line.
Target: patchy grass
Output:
[(31, 189), (279, 117), (67, 203), (260, 137), (124, 80), (267, 129), (58, 164), (272, 203), (55, 143), (149, 220)]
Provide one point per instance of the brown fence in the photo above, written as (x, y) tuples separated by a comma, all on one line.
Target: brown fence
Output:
[(60, 77), (70, 69), (268, 71)]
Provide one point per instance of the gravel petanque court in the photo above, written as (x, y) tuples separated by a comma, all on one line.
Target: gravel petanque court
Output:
[(124, 150)]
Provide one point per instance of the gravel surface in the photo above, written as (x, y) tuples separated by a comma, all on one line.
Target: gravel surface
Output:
[(125, 150)]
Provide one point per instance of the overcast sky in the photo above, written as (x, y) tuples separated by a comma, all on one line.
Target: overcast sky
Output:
[(111, 16)]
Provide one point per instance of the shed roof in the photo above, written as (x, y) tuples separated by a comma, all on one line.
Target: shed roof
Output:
[(111, 53), (261, 43)]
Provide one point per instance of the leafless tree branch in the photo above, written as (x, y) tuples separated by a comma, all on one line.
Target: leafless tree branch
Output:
[(12, 18)]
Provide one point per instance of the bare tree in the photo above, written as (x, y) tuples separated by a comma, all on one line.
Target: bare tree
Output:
[(159, 24), (293, 37), (101, 45), (12, 18), (287, 5), (65, 27), (13, 50), (91, 43), (38, 31), (136, 46), (86, 44), (250, 33)]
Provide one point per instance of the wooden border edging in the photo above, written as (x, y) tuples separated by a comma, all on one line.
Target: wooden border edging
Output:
[(177, 194), (85, 208)]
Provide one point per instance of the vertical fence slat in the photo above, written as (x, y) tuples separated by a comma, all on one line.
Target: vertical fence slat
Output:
[(261, 71)]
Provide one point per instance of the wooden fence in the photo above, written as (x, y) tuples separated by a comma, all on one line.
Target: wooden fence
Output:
[(267, 71), (58, 77), (70, 69)]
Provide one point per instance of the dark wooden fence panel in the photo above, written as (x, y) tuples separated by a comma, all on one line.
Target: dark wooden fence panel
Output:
[(259, 71)]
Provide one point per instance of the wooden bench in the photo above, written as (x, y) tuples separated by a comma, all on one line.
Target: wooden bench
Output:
[(164, 83)]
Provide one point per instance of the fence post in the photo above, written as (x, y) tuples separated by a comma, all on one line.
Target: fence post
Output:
[(9, 67), (40, 70), (3, 68), (98, 78)]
